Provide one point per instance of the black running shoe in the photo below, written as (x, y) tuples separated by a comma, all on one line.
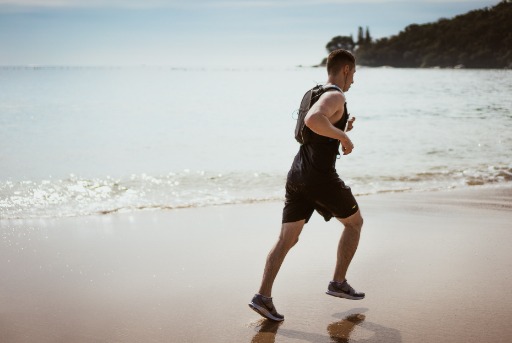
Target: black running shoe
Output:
[(343, 290), (265, 307)]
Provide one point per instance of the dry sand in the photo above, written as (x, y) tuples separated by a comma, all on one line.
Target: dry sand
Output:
[(436, 267)]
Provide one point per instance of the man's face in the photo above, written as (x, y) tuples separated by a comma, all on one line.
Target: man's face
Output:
[(349, 77)]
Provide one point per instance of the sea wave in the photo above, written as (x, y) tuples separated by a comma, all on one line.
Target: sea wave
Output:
[(77, 196)]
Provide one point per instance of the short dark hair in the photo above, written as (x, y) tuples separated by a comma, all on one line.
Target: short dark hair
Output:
[(337, 59)]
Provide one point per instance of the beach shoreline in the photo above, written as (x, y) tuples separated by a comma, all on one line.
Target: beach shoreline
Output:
[(435, 267)]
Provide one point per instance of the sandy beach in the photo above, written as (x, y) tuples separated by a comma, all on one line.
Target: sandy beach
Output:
[(436, 267)]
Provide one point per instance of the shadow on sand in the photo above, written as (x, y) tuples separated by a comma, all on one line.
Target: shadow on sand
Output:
[(338, 332)]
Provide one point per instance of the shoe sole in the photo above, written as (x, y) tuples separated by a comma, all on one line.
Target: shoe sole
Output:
[(264, 312), (343, 295)]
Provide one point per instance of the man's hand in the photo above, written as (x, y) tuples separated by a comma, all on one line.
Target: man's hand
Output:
[(350, 124), (346, 145)]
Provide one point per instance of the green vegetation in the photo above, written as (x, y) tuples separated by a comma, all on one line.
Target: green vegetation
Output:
[(477, 39)]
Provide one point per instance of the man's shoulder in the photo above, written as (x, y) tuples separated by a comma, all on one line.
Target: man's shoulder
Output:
[(333, 99), (334, 93)]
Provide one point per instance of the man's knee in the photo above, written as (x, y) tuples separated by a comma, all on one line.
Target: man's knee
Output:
[(290, 234), (354, 222), (287, 242), (290, 242), (359, 221)]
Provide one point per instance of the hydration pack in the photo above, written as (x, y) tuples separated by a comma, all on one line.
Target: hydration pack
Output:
[(302, 132)]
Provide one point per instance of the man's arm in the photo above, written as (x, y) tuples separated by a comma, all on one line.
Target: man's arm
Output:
[(350, 124), (320, 115)]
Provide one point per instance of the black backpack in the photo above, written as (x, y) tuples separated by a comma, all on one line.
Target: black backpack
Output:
[(302, 132)]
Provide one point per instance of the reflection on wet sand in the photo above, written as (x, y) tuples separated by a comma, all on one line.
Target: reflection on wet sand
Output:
[(267, 331), (339, 331)]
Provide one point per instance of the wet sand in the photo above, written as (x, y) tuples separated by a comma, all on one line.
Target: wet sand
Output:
[(436, 267)]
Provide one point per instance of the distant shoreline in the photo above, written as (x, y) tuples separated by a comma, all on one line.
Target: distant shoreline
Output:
[(475, 40), (171, 68), (392, 67)]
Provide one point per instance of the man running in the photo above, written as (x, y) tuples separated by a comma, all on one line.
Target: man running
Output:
[(313, 184)]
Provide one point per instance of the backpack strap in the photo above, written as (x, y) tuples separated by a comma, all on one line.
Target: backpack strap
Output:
[(321, 89), (330, 87), (302, 132)]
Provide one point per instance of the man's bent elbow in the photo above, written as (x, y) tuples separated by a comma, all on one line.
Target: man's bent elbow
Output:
[(308, 121)]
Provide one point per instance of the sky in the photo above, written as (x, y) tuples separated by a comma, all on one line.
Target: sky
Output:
[(200, 33)]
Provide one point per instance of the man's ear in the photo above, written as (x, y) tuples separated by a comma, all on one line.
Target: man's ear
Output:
[(346, 70)]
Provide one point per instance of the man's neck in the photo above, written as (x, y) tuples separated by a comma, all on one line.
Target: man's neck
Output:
[(336, 81)]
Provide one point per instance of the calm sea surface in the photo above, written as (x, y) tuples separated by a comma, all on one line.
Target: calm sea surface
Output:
[(77, 141)]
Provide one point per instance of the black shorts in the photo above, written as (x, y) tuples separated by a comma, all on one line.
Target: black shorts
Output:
[(330, 199)]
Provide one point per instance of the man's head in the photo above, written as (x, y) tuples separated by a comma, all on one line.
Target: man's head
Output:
[(337, 59), (341, 66)]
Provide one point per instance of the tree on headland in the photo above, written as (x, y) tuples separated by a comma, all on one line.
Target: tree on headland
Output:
[(347, 42), (363, 37), (360, 35), (341, 42), (478, 39), (367, 38)]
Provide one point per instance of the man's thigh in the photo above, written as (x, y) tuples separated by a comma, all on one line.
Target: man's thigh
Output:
[(355, 221), (334, 199)]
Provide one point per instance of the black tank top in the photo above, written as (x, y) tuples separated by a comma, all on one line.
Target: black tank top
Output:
[(316, 161)]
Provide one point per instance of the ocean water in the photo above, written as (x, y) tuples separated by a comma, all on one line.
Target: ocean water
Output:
[(81, 141)]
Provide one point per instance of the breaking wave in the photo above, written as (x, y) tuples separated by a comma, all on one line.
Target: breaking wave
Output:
[(76, 196)]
